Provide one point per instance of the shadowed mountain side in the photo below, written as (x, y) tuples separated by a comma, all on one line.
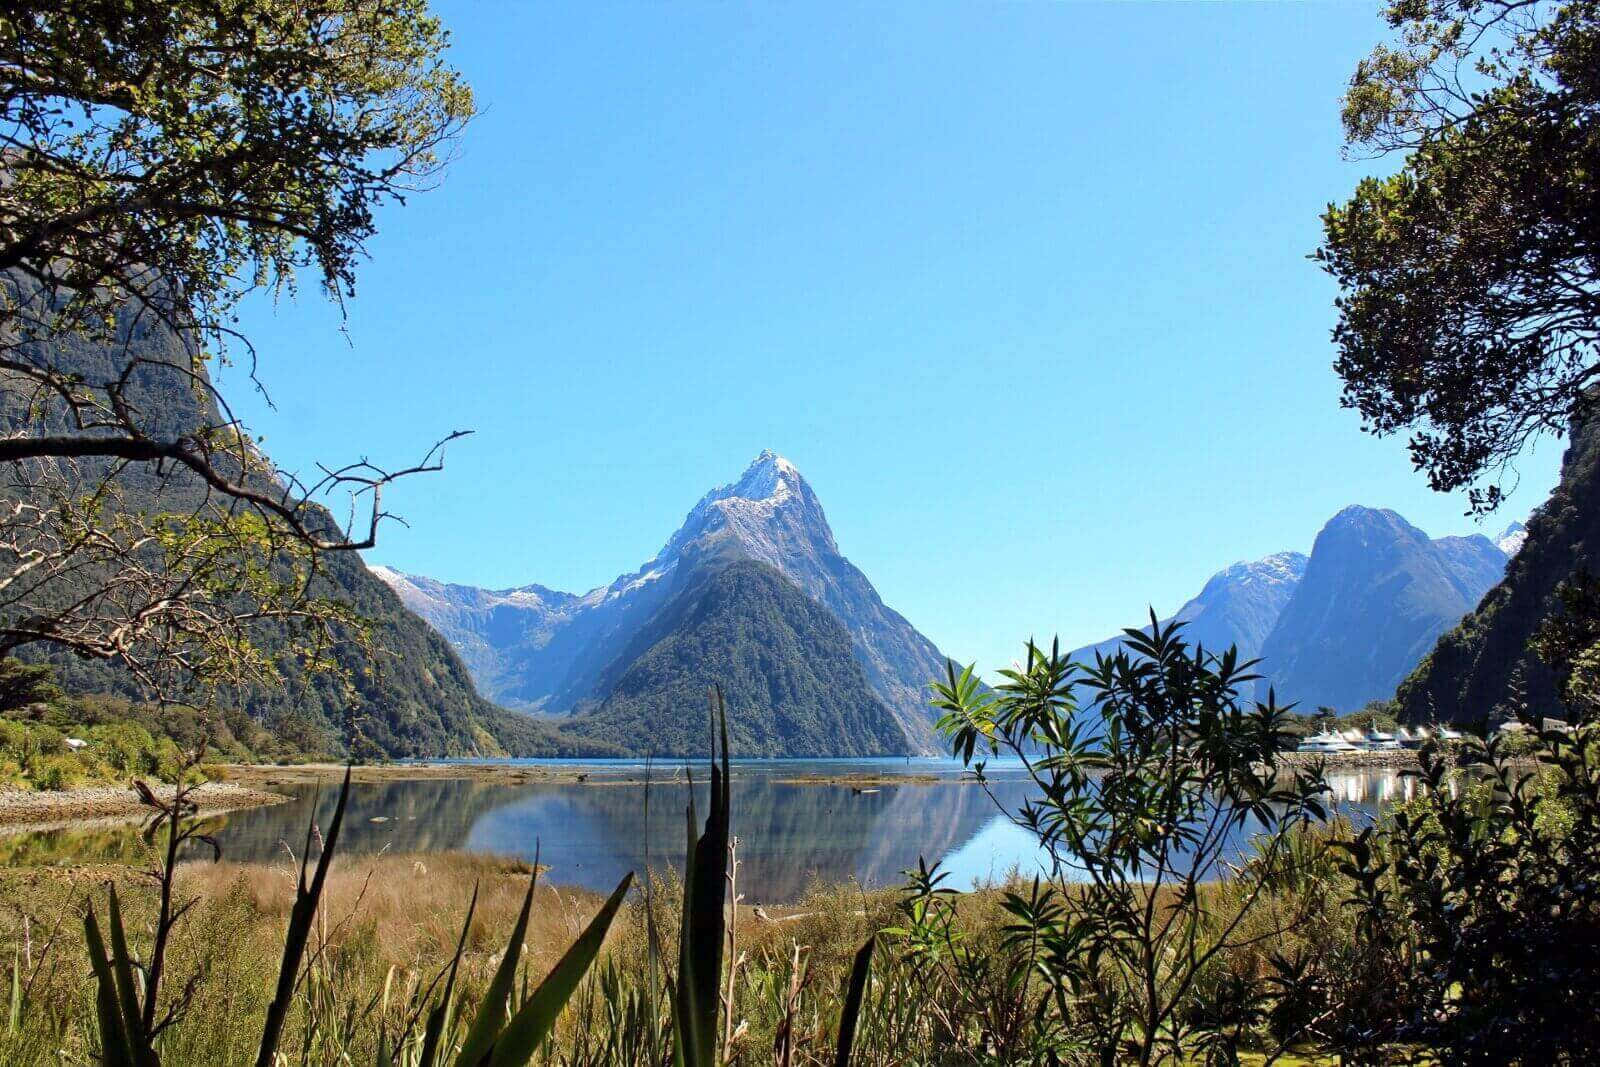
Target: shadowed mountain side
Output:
[(782, 660), (1469, 673), (1341, 627), (1376, 595), (414, 698)]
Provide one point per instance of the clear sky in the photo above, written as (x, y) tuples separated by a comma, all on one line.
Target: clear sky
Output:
[(1021, 289)]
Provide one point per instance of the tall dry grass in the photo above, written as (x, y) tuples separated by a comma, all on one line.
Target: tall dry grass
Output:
[(386, 927)]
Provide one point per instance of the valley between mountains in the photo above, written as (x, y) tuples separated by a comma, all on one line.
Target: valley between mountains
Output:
[(753, 593)]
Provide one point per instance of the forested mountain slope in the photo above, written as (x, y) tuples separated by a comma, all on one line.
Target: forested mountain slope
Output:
[(784, 664), (1469, 673), (414, 697)]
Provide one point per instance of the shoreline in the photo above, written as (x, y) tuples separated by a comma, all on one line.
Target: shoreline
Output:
[(268, 776), (26, 811), (257, 785), (1390, 759)]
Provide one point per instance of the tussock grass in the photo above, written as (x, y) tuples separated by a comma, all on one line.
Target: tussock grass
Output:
[(387, 921)]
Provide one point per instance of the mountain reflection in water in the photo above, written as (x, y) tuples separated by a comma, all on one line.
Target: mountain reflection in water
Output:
[(790, 834)]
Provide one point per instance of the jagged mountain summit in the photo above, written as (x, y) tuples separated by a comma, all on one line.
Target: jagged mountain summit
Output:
[(561, 653), (1238, 605), (1343, 626), (1511, 539)]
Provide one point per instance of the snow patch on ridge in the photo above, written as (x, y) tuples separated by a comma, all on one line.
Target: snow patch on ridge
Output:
[(1511, 539)]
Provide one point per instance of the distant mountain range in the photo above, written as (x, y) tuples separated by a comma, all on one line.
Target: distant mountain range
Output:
[(1345, 625), (629, 662), (752, 592)]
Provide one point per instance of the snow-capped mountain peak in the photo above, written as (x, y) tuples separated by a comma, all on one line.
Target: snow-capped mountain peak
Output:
[(558, 650), (769, 477), (770, 512), (1511, 538)]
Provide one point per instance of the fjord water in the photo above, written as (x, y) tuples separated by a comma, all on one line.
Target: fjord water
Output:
[(791, 833)]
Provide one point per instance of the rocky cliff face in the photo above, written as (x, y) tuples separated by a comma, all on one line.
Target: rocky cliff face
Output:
[(1469, 674), (537, 648)]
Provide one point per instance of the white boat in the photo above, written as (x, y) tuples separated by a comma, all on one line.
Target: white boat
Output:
[(1325, 742), (1379, 741)]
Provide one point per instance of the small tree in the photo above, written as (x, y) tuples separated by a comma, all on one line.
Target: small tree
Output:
[(1148, 787)]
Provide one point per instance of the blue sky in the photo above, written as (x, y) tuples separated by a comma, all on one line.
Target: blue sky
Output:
[(1021, 289)]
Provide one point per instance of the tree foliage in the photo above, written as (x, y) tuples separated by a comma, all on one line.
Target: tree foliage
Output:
[(177, 155), (1480, 903), (1469, 306), (158, 162)]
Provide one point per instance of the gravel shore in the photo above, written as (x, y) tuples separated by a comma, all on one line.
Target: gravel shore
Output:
[(101, 802)]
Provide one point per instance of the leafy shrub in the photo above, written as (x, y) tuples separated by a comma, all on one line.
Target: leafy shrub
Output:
[(124, 748), (11, 773), (1150, 772), (56, 773), (1482, 896), (1518, 744), (1485, 895)]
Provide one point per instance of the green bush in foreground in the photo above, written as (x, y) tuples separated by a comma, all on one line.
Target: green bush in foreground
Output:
[(1199, 909), (1144, 795)]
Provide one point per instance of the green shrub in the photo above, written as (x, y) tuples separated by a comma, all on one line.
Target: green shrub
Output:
[(1519, 744), (11, 775), (55, 773), (124, 748), (1143, 766)]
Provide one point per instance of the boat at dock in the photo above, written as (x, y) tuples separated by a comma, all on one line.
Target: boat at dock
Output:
[(1326, 742)]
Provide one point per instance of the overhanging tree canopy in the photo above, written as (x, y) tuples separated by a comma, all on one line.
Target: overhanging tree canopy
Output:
[(159, 161), (1469, 306)]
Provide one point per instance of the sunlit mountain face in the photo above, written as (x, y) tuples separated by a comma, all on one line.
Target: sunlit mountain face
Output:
[(562, 653)]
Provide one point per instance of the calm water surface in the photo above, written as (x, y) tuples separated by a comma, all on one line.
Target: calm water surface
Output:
[(590, 834)]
